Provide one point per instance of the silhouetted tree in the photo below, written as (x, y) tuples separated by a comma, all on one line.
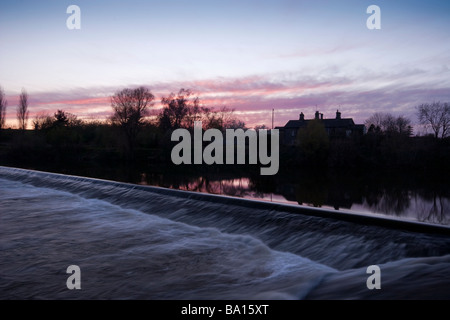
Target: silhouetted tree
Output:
[(213, 121), (262, 126), (396, 125), (314, 142), (42, 121), (130, 108), (61, 118), (375, 122), (403, 126), (229, 119), (3, 105), (374, 129), (435, 115), (22, 110), (235, 124), (180, 110), (388, 124), (66, 119), (222, 119)]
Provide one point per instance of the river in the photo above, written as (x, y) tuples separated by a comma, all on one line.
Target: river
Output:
[(139, 242)]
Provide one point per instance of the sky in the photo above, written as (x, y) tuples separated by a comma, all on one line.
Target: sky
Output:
[(253, 56)]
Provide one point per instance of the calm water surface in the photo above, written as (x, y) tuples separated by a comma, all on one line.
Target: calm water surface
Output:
[(425, 201)]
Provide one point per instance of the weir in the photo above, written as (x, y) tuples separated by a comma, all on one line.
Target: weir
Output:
[(338, 239), (60, 180), (143, 242)]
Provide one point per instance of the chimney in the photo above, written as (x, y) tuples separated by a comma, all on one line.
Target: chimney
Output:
[(321, 116), (338, 114), (317, 115), (302, 116)]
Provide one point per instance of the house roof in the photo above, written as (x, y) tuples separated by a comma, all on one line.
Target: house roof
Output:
[(296, 123), (328, 123)]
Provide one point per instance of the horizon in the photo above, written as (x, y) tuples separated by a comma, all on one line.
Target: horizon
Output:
[(251, 56)]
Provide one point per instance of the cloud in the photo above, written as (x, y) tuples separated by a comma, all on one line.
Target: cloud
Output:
[(253, 97)]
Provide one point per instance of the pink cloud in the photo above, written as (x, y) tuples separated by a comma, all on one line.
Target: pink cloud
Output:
[(254, 97), (85, 101)]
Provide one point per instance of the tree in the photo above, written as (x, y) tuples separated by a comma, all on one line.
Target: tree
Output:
[(403, 126), (180, 111), (3, 105), (375, 122), (396, 125), (235, 124), (261, 126), (66, 119), (130, 108), (313, 141), (435, 115), (223, 119), (183, 109), (22, 110), (42, 121), (388, 124), (229, 119)]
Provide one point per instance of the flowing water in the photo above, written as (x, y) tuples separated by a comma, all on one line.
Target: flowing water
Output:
[(137, 242)]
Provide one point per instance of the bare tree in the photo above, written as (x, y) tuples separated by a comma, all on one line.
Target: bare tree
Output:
[(435, 115), (376, 121), (224, 118), (389, 124), (3, 105), (180, 111), (42, 121), (403, 125), (261, 127), (22, 110), (130, 108), (66, 119), (183, 109)]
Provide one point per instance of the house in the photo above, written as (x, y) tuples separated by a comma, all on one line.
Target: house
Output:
[(336, 128)]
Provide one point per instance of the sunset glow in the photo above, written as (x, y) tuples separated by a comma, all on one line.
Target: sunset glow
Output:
[(252, 56)]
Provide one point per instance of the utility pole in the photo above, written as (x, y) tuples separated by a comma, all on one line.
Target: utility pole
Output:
[(272, 117)]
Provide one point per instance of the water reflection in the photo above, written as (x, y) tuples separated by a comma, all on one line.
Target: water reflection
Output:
[(236, 187), (435, 211), (395, 196), (407, 195)]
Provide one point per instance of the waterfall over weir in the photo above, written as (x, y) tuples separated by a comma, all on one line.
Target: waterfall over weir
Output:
[(140, 242)]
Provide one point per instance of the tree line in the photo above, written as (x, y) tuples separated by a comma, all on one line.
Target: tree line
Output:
[(131, 107), (128, 128), (388, 143), (434, 116), (129, 131)]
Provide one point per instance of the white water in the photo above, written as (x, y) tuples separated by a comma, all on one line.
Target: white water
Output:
[(131, 243)]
